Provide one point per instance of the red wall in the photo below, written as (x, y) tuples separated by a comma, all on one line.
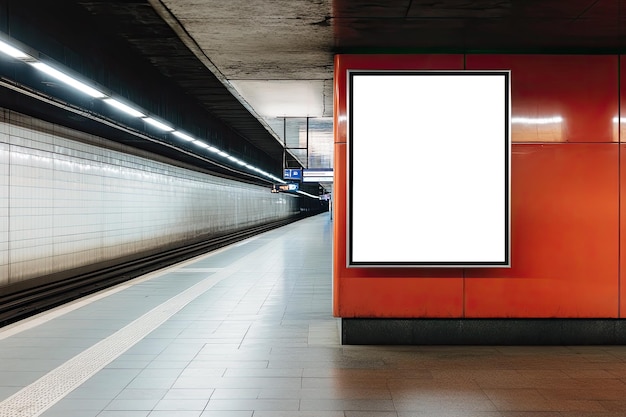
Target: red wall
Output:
[(565, 201)]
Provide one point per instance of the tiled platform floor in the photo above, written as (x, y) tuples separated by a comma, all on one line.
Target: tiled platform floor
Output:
[(254, 337)]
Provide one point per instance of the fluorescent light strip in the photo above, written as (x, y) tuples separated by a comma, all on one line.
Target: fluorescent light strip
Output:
[(224, 154), (12, 51), (200, 144), (68, 80), (158, 124), (536, 120), (308, 195), (183, 136), (123, 107)]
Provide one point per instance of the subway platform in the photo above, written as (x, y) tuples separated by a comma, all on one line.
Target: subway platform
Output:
[(247, 331)]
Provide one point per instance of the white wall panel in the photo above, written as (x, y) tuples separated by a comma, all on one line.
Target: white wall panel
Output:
[(66, 202), (4, 210)]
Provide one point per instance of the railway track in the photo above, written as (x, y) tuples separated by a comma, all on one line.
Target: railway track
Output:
[(18, 305)]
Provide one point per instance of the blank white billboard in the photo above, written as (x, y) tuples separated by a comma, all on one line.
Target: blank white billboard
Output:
[(428, 168)]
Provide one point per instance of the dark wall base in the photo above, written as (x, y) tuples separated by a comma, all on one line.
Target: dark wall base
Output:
[(483, 331)]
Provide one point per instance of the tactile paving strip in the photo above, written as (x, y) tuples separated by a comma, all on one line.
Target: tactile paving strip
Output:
[(36, 398)]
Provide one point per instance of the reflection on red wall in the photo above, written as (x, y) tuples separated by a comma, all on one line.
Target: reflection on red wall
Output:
[(558, 98), (565, 198)]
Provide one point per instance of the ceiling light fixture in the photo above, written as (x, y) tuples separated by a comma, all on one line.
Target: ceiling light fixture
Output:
[(183, 136), (123, 107), (12, 51), (45, 68), (200, 144), (158, 124)]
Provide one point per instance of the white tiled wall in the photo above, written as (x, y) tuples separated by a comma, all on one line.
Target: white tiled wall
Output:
[(4, 211), (65, 203)]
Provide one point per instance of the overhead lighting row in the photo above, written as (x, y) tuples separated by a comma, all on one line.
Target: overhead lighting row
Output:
[(16, 53)]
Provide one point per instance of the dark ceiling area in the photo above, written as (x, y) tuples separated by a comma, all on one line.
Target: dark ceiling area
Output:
[(555, 26)]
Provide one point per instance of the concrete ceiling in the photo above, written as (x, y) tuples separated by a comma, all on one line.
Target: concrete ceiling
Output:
[(277, 54)]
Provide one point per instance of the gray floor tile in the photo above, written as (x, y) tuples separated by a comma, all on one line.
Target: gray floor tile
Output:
[(132, 405), (224, 413), (274, 413), (160, 373), (213, 382), (182, 404), (188, 394), (236, 393), (255, 404), (174, 413), (94, 392), (152, 383), (141, 394), (125, 413)]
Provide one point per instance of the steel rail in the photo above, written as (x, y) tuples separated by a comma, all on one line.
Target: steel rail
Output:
[(22, 304)]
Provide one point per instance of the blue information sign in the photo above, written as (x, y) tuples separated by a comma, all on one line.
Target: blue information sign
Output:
[(292, 174)]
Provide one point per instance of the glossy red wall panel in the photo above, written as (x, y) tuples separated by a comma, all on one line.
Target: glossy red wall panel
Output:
[(581, 89), (622, 130), (564, 202), (564, 237), (622, 229)]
